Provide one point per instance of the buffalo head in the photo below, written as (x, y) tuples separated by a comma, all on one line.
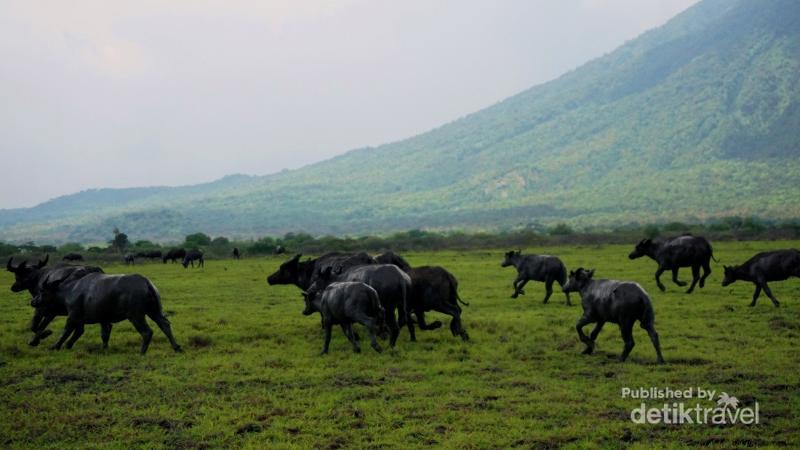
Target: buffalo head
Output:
[(26, 277)]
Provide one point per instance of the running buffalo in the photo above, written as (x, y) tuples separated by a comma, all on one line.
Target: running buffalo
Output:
[(776, 265), (105, 299), (191, 257), (31, 278), (672, 254), (344, 304), (620, 302), (174, 255), (433, 288), (303, 273), (544, 268)]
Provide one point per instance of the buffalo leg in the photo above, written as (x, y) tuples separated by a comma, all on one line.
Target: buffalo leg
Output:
[(756, 294), (327, 342), (424, 325), (144, 329), (69, 327), (593, 337), (518, 285), (105, 333), (348, 331), (548, 287), (627, 336), (706, 273), (771, 297), (658, 279), (164, 325), (651, 330), (39, 327), (695, 278), (372, 329), (675, 278), (455, 324), (569, 303), (582, 322), (75, 336), (394, 329)]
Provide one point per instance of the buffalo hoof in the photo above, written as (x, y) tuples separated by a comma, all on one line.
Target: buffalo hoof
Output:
[(662, 288), (323, 353), (514, 295), (681, 283), (690, 291), (177, 349), (588, 351), (464, 336), (44, 334), (356, 350), (660, 361), (55, 347), (34, 342), (434, 325), (777, 304), (752, 304)]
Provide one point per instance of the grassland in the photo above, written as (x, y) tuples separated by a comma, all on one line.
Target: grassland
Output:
[(251, 375)]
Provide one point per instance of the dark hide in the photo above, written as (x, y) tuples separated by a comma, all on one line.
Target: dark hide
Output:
[(620, 302), (545, 268), (236, 254), (776, 265), (72, 257), (129, 259), (191, 257), (672, 254), (174, 255), (344, 304), (303, 273)]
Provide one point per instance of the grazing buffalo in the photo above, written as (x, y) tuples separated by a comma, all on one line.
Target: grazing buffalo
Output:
[(150, 254), (620, 302), (236, 254), (174, 255), (129, 259), (432, 289), (391, 284), (105, 299), (303, 273), (279, 250), (72, 257), (344, 304), (191, 257), (776, 265), (672, 254), (544, 268), (31, 278)]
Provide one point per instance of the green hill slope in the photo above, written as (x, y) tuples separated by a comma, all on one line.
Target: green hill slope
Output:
[(699, 118)]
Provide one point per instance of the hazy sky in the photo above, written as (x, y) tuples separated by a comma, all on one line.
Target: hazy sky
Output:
[(118, 94)]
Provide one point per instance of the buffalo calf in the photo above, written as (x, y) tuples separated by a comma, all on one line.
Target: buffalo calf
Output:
[(776, 265), (544, 268), (672, 254)]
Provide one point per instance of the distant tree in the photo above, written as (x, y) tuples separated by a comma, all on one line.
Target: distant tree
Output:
[(197, 240), (561, 229), (8, 249), (144, 244), (120, 241), (71, 247), (220, 241), (651, 231), (47, 249)]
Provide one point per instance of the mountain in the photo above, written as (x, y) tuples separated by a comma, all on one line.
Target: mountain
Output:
[(697, 119)]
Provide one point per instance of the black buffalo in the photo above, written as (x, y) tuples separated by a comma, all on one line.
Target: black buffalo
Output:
[(303, 273), (191, 257), (620, 302), (344, 304), (72, 257), (279, 250), (776, 265), (105, 299), (546, 268), (150, 254), (174, 255), (236, 254), (129, 259), (32, 278), (391, 284), (433, 288), (672, 254)]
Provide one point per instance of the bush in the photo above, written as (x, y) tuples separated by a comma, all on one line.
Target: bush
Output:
[(197, 240), (561, 229)]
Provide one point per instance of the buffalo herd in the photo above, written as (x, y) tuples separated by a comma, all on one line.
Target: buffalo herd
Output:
[(384, 293)]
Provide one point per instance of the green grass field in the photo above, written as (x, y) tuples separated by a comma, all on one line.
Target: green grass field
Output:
[(251, 374)]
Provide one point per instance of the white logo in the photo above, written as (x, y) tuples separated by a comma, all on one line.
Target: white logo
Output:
[(690, 406)]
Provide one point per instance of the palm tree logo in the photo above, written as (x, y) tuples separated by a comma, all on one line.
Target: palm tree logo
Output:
[(726, 401)]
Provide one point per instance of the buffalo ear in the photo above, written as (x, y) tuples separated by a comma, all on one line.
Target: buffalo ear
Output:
[(589, 274), (43, 262)]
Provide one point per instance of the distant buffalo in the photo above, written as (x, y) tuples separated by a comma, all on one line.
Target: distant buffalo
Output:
[(546, 268), (150, 254), (129, 259), (72, 257), (620, 302), (433, 288), (191, 257), (32, 278), (279, 250), (776, 265), (672, 254), (174, 255), (105, 299), (344, 304), (236, 254)]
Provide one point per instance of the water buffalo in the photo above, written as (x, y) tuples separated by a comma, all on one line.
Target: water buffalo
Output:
[(346, 303), (303, 273), (672, 254), (129, 259), (72, 257), (105, 299), (150, 254), (776, 265), (279, 250), (31, 278), (174, 255), (544, 268), (433, 288), (191, 257), (391, 284), (236, 254), (620, 302)]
